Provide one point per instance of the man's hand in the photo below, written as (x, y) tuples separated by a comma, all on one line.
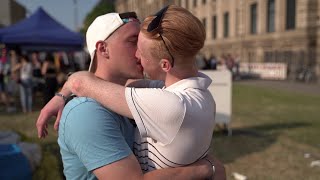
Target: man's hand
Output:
[(53, 108), (220, 171)]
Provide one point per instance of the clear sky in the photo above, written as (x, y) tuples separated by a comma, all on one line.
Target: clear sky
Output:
[(62, 10)]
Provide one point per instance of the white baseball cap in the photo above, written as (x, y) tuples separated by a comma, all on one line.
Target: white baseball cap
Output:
[(101, 28)]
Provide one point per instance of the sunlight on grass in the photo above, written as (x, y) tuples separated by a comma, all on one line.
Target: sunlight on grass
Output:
[(291, 114), (272, 129)]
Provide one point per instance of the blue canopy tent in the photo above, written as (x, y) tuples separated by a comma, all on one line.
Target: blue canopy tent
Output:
[(40, 32)]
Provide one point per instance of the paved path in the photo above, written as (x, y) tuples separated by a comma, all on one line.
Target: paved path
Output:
[(307, 88)]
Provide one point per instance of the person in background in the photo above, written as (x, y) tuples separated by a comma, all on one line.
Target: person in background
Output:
[(212, 62), (38, 81), (200, 61), (25, 81), (49, 72), (12, 78), (3, 94)]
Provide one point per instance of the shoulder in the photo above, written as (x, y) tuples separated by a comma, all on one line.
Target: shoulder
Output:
[(86, 111), (92, 132), (153, 97), (85, 105), (82, 116)]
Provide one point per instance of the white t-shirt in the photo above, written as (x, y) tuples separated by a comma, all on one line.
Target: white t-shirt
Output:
[(26, 71), (175, 123)]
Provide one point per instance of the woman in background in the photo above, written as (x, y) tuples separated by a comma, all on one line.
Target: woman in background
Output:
[(26, 84), (49, 72)]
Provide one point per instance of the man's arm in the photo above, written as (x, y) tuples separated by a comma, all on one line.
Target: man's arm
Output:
[(53, 108), (87, 85), (128, 168), (107, 93), (83, 84)]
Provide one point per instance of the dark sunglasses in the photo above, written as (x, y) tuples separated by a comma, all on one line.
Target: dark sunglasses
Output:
[(155, 24)]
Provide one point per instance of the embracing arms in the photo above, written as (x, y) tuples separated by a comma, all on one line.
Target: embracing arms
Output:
[(83, 83), (199, 170), (86, 84)]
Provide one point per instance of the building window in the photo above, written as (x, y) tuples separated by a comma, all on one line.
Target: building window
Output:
[(194, 3), (214, 27), (179, 3), (253, 18), (291, 14), (268, 56), (204, 1), (270, 16), (187, 4), (204, 22), (226, 24)]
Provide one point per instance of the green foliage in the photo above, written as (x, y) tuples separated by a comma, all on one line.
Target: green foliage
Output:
[(101, 8)]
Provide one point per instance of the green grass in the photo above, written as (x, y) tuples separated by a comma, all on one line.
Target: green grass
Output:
[(272, 129), (271, 112), (24, 125)]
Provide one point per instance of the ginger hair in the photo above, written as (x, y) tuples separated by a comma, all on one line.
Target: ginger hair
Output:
[(183, 33)]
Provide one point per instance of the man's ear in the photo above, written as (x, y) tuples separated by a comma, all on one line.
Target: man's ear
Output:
[(102, 47), (165, 65), (105, 53)]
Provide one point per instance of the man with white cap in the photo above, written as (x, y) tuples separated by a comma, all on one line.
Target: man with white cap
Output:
[(96, 142)]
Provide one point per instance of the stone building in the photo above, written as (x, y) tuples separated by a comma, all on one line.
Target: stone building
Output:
[(252, 30), (11, 12)]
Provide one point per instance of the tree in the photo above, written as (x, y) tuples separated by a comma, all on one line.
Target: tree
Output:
[(103, 7)]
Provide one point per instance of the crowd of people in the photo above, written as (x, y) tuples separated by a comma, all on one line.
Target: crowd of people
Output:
[(26, 75), (225, 61)]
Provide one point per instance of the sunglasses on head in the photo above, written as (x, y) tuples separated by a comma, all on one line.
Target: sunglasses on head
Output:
[(155, 24)]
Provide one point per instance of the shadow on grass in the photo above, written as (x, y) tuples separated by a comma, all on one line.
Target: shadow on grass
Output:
[(247, 140)]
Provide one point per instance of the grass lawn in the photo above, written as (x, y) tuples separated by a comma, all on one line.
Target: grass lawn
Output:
[(272, 130)]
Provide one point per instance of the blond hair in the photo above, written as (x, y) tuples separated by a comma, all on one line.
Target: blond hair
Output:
[(183, 33)]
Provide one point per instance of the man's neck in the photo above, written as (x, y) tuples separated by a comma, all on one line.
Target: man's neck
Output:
[(179, 74)]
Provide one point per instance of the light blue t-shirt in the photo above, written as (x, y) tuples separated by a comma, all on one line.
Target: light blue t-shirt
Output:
[(91, 136)]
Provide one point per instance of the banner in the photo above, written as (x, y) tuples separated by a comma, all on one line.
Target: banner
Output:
[(272, 71)]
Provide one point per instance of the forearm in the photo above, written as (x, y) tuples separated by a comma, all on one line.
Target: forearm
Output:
[(197, 171), (110, 95), (128, 168)]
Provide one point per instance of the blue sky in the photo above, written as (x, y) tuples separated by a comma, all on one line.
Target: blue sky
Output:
[(62, 10)]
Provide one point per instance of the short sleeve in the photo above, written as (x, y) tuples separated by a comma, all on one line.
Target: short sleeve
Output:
[(158, 113), (94, 134)]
